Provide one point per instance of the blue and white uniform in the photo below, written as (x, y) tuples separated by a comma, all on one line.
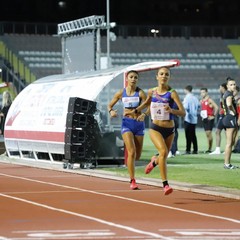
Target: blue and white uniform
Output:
[(131, 124)]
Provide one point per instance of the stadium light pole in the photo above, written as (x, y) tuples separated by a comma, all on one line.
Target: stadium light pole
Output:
[(155, 32), (108, 34)]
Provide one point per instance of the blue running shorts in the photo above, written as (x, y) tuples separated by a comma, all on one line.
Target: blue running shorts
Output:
[(134, 126)]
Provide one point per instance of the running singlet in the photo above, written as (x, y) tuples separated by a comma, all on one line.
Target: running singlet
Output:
[(225, 107), (131, 102), (206, 110), (157, 105)]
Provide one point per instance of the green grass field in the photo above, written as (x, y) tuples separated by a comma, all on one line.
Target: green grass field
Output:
[(198, 169)]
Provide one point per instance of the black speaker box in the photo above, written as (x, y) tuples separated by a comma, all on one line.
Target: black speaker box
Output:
[(86, 136), (76, 120), (76, 153), (80, 105)]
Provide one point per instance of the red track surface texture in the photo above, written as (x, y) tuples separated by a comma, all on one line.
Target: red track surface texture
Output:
[(47, 204)]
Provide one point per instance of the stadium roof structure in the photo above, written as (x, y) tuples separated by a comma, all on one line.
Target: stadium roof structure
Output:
[(93, 82), (38, 113)]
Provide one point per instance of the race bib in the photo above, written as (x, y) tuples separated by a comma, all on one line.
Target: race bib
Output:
[(203, 114), (130, 102), (158, 112)]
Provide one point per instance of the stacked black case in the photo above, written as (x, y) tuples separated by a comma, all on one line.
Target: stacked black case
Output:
[(82, 133)]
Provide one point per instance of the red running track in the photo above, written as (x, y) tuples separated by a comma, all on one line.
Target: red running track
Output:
[(48, 204)]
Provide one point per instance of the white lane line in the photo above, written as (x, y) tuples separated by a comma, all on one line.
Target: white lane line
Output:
[(128, 199), (208, 233), (154, 235), (77, 234)]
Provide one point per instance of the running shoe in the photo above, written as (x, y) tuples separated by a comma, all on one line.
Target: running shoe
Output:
[(133, 184), (150, 166), (178, 153), (215, 152), (167, 190), (170, 155), (194, 152), (229, 166), (208, 151)]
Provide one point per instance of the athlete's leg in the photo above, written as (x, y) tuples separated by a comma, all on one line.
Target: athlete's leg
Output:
[(218, 137), (209, 139), (229, 144), (138, 145), (128, 139), (163, 148)]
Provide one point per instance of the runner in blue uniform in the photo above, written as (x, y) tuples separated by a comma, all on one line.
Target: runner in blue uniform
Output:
[(132, 123)]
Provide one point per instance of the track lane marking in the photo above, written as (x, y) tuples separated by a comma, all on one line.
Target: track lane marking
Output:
[(154, 235), (127, 199)]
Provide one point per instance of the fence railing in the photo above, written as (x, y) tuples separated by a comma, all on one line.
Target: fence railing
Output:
[(226, 32)]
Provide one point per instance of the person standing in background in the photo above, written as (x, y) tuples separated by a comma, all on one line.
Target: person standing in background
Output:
[(219, 125), (209, 109), (192, 106), (230, 121), (237, 100), (174, 149), (133, 125), (6, 103)]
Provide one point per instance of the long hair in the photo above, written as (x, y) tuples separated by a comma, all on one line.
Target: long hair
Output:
[(6, 99)]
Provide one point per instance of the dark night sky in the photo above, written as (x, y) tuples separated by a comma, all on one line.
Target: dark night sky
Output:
[(125, 12)]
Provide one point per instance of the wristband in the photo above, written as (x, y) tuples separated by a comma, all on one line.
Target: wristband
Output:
[(110, 110), (145, 114), (135, 111)]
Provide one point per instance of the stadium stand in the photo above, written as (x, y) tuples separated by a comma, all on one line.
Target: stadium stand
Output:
[(41, 53), (205, 61)]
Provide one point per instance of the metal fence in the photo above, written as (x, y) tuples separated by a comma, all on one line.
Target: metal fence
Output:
[(226, 32)]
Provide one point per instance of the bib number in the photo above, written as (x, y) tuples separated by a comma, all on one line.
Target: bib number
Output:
[(158, 112)]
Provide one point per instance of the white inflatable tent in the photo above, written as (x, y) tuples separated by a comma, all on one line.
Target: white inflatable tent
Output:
[(36, 120)]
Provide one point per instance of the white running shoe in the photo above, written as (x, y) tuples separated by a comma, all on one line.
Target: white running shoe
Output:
[(215, 152), (178, 153), (230, 166), (170, 155)]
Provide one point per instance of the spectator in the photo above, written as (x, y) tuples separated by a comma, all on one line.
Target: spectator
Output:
[(174, 148), (6, 103), (219, 125), (230, 121), (237, 141), (191, 105), (209, 109)]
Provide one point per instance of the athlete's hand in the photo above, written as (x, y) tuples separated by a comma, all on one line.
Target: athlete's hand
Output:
[(167, 109), (141, 117), (113, 113)]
